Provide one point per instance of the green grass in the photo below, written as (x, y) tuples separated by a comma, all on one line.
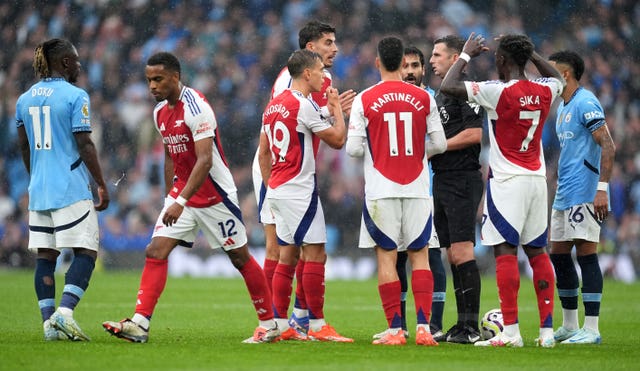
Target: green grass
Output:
[(200, 323)]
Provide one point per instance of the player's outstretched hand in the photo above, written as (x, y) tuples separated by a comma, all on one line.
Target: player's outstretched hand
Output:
[(475, 45), (103, 199), (346, 100)]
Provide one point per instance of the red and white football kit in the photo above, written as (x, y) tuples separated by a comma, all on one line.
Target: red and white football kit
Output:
[(515, 210), (190, 120), (515, 206), (282, 83), (395, 118)]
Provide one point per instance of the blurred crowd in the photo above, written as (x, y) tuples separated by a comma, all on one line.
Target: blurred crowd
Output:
[(232, 50)]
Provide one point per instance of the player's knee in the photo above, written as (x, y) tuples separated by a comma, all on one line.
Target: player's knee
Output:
[(239, 257)]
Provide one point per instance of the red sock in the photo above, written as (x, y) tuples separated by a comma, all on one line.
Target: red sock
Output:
[(313, 281), (390, 296), (544, 283), (269, 270), (258, 289), (422, 287), (300, 301), (152, 282), (282, 280), (508, 279)]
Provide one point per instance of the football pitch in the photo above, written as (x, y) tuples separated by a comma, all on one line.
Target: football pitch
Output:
[(200, 323)]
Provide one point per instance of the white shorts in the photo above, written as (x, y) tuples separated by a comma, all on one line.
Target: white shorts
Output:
[(221, 224), (577, 223), (434, 242), (73, 226), (396, 223), (515, 211), (265, 215), (299, 221)]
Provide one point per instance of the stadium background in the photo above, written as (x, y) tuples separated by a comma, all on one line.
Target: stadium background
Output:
[(232, 52)]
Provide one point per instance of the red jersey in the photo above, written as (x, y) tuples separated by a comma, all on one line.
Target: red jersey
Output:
[(395, 118), (190, 120), (289, 122), (517, 111)]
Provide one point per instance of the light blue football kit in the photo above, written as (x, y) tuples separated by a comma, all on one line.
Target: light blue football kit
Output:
[(50, 110), (579, 163)]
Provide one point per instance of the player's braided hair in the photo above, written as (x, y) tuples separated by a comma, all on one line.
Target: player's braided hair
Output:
[(49, 52), (518, 48)]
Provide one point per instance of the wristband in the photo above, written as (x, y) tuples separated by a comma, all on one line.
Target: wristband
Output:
[(181, 201), (465, 57), (603, 186)]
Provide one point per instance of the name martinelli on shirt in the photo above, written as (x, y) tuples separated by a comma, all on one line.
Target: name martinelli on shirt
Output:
[(396, 97)]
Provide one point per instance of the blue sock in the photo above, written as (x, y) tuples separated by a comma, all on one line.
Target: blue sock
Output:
[(77, 280), (566, 280), (439, 288), (591, 284), (45, 284)]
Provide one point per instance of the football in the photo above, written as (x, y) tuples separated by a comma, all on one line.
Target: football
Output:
[(491, 324)]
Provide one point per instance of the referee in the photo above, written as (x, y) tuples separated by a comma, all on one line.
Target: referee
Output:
[(457, 191)]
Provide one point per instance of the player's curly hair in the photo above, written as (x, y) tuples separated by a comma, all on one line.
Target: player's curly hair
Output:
[(391, 52), (49, 52), (571, 59), (518, 48), (166, 59)]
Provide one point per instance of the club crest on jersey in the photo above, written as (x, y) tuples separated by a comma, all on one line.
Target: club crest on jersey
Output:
[(567, 118)]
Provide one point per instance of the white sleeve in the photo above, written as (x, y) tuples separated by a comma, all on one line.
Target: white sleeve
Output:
[(436, 143), (311, 117), (436, 140), (485, 93), (357, 129)]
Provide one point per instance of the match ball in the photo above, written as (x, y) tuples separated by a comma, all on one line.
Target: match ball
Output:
[(491, 324)]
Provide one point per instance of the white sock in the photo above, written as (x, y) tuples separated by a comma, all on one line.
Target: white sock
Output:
[(301, 312), (269, 324), (65, 311), (591, 322), (546, 332), (512, 331), (316, 324), (283, 324), (396, 330), (570, 319), (141, 320), (425, 326)]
